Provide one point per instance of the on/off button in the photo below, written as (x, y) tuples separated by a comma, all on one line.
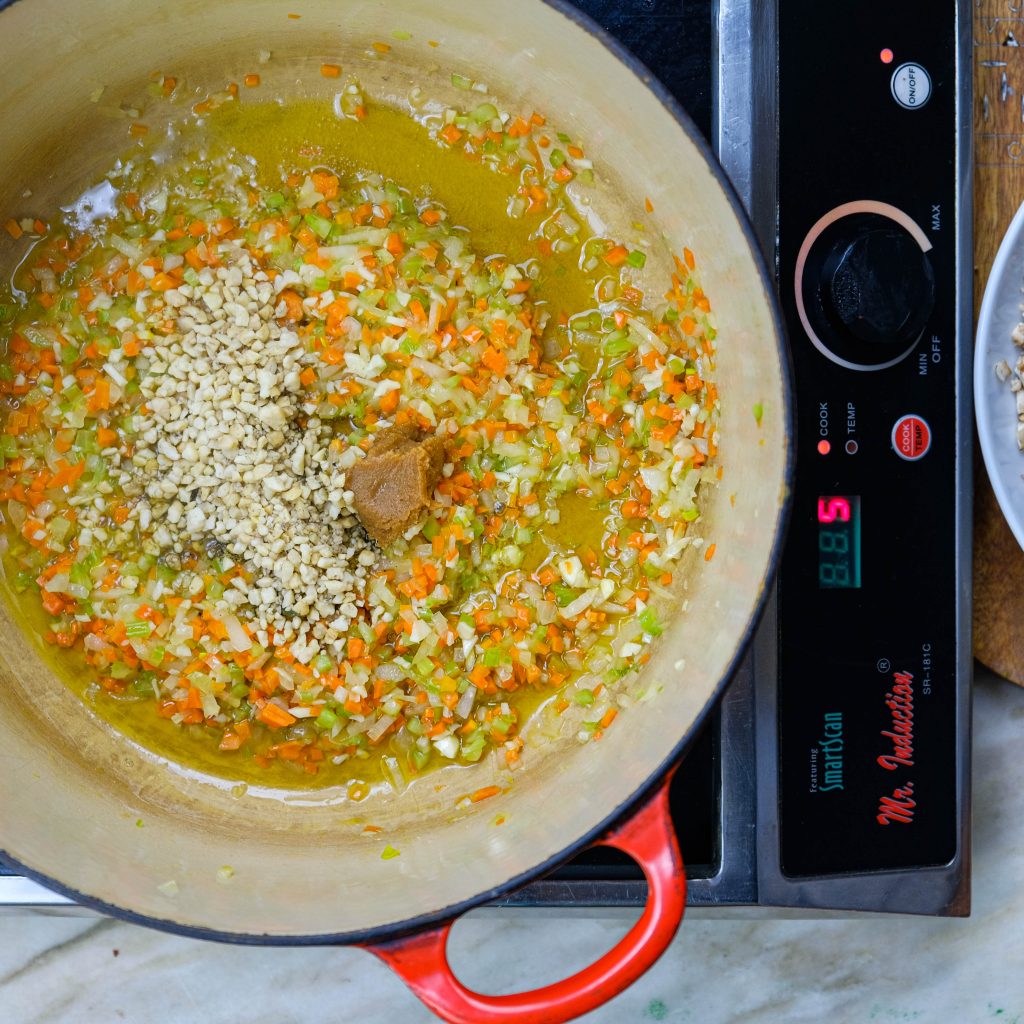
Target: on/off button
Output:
[(911, 438)]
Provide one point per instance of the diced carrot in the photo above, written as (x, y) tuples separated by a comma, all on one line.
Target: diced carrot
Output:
[(251, 81), (330, 70), (100, 397), (484, 793), (481, 674), (293, 304), (495, 361), (518, 128), (275, 716), (616, 255), (389, 401), (326, 184), (450, 134), (231, 740), (13, 228), (162, 282)]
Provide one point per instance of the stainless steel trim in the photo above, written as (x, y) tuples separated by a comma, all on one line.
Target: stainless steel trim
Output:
[(735, 882), (960, 903), (16, 891), (744, 65)]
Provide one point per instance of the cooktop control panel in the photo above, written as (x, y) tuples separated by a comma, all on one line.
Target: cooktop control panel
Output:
[(868, 273)]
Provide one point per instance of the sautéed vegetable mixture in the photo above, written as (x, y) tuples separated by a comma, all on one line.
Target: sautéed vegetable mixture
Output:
[(330, 473)]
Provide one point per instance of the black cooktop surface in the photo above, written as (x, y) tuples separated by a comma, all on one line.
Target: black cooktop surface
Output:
[(672, 37)]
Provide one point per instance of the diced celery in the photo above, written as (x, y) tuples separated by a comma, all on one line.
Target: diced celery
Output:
[(320, 226), (649, 620), (501, 725), (473, 745), (327, 719), (494, 656), (24, 580)]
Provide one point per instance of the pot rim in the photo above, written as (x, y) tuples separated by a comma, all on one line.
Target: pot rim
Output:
[(423, 922)]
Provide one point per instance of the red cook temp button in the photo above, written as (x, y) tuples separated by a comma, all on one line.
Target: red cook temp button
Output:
[(911, 438)]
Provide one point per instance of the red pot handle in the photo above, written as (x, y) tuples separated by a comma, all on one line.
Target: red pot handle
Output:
[(650, 839)]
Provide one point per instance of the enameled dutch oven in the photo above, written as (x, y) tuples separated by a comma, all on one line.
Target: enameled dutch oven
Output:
[(72, 789)]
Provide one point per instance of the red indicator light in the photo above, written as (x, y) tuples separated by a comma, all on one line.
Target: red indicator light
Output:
[(885, 56), (852, 447), (832, 509), (824, 447)]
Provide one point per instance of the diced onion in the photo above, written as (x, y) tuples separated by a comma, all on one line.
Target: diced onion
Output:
[(465, 705), (237, 636), (379, 727)]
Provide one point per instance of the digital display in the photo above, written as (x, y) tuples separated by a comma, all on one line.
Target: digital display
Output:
[(839, 541)]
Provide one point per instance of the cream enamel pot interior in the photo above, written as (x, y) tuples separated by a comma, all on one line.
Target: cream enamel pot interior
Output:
[(72, 789)]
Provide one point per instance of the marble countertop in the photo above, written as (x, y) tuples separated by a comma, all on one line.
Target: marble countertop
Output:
[(751, 966)]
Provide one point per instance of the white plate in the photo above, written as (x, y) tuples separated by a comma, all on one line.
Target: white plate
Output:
[(994, 403)]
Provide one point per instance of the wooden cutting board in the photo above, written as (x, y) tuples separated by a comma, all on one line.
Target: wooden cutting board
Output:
[(998, 191)]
